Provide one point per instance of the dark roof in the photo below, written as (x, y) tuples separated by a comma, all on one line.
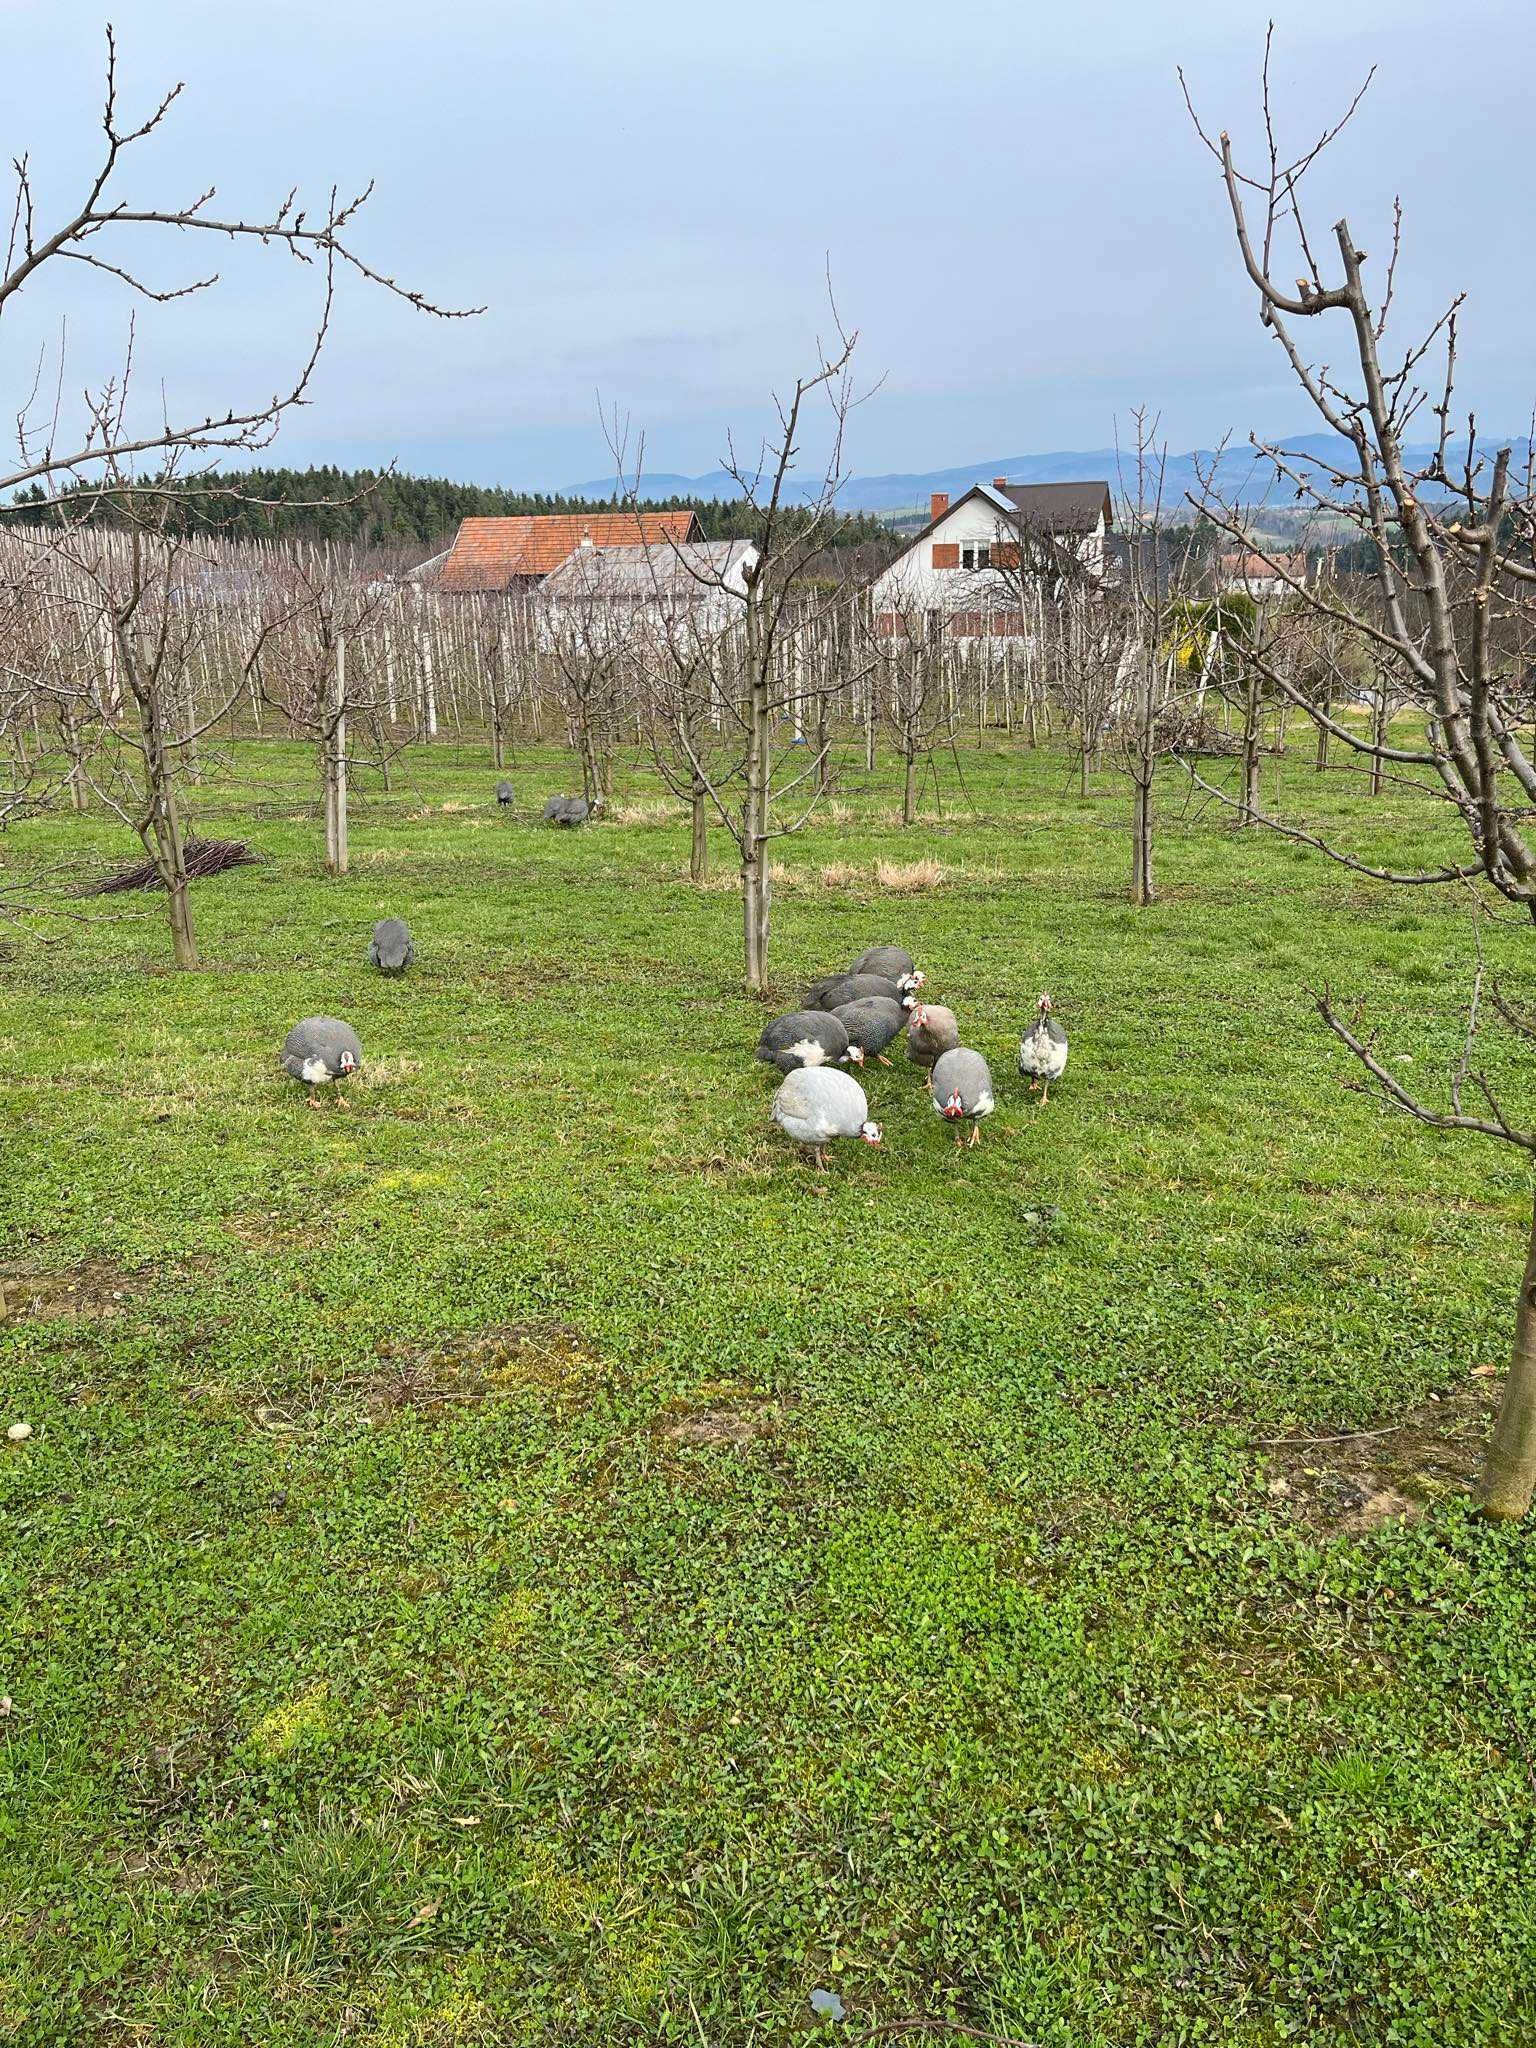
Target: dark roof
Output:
[(1061, 508), (1054, 508)]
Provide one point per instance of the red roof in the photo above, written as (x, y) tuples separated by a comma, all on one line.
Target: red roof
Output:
[(491, 554), (1265, 569)]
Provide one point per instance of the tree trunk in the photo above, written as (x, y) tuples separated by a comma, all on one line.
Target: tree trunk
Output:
[(1378, 740), (335, 769), (698, 851), (1326, 707), (756, 880), (162, 833), (1143, 889), (1508, 1476), (1252, 808), (909, 778)]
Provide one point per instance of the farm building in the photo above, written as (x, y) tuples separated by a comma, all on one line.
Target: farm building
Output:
[(1260, 576), (516, 554), (698, 587), (963, 574)]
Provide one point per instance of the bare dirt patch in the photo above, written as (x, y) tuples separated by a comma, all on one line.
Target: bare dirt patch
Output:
[(95, 1289), (1350, 1485), (738, 1419), (479, 1366)]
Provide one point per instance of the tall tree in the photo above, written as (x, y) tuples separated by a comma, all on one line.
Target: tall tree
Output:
[(1451, 624)]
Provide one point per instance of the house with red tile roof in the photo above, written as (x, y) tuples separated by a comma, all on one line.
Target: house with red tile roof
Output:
[(516, 554)]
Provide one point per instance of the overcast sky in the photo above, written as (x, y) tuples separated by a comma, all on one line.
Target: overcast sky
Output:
[(1017, 216)]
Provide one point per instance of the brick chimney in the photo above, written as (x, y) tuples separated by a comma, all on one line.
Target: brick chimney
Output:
[(938, 505), (999, 483)]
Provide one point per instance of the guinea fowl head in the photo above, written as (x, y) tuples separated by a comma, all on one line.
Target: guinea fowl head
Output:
[(909, 984), (1044, 1006), (870, 1133), (854, 1055), (920, 1015), (347, 1063), (954, 1106)]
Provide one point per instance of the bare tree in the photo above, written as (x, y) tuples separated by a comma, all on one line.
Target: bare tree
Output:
[(911, 693), (761, 784), (102, 232), (142, 602), (1451, 535), (321, 666)]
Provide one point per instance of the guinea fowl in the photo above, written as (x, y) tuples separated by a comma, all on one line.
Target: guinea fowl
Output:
[(817, 1104), (504, 795), (391, 949), (320, 1049), (1043, 1050), (962, 1087), (853, 988), (871, 1023), (895, 962), (803, 1038), (567, 810), (932, 1031)]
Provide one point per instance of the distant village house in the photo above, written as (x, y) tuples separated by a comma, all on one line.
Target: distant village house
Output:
[(514, 555), (963, 574)]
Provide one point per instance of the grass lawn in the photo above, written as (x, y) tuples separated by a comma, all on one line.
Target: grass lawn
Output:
[(524, 1561)]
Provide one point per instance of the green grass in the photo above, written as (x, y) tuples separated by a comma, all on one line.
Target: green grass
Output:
[(524, 1562)]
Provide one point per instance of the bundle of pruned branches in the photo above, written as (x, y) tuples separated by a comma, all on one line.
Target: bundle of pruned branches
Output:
[(1180, 729), (203, 857)]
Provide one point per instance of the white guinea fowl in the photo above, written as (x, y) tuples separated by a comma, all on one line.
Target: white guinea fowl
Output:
[(1043, 1050), (815, 1105)]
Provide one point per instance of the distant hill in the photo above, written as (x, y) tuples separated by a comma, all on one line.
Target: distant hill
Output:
[(1238, 474)]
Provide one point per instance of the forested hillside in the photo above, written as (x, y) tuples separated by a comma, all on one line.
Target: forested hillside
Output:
[(385, 509)]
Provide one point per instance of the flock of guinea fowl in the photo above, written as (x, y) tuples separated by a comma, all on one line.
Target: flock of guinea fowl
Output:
[(850, 1018), (846, 1020)]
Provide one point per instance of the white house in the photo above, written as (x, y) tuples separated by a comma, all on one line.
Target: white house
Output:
[(1260, 576), (961, 575)]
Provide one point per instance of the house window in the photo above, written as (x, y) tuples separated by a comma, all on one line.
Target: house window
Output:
[(975, 554)]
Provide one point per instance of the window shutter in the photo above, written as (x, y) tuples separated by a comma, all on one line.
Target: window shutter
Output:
[(946, 554)]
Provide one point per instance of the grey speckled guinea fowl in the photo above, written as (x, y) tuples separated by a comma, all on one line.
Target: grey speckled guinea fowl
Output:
[(853, 988), (567, 810), (504, 795), (321, 1049), (962, 1089), (391, 949), (871, 1023), (803, 1038), (816, 1105), (895, 962), (932, 1031), (1043, 1050)]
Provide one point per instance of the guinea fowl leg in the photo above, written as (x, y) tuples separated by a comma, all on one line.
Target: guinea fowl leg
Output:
[(821, 1160), (312, 1100), (1045, 1094), (975, 1134), (880, 1056)]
